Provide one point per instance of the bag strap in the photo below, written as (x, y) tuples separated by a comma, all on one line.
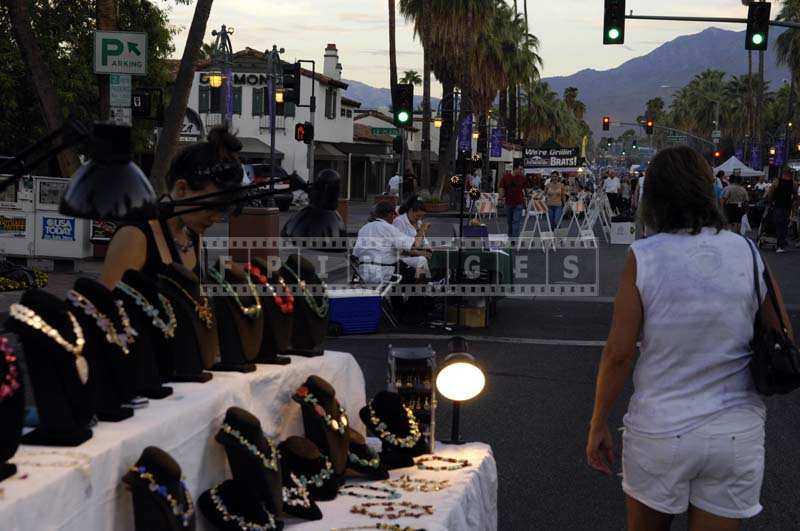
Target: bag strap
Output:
[(768, 281)]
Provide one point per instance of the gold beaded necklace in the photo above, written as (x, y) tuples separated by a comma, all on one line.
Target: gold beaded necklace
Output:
[(29, 317), (248, 311), (202, 308)]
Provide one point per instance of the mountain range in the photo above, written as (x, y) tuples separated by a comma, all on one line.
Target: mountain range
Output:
[(622, 92)]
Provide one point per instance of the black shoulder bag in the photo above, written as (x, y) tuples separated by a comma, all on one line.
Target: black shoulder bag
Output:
[(775, 364)]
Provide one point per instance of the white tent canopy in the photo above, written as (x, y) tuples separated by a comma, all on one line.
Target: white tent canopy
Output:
[(733, 164)]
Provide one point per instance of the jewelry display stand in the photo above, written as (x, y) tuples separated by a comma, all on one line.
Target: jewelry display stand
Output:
[(317, 398), (239, 334), (391, 413), (151, 509), (111, 369), (301, 457), (363, 461), (411, 375), (257, 473), (310, 323), (195, 347), (151, 352), (243, 511), (12, 407), (277, 337)]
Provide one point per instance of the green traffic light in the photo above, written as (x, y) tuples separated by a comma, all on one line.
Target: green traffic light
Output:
[(757, 38), (403, 117), (613, 34)]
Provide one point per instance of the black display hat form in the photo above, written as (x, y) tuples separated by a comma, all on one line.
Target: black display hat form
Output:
[(301, 458), (390, 410), (362, 460), (277, 337), (310, 324), (151, 509), (330, 436), (232, 506)]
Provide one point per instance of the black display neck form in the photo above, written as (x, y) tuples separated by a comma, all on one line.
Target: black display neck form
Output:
[(100, 297), (185, 278), (64, 403), (301, 457), (389, 409), (146, 287), (241, 506), (331, 439), (277, 336), (240, 335), (248, 426)]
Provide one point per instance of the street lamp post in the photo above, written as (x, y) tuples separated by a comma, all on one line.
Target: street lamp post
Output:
[(274, 76), (223, 54)]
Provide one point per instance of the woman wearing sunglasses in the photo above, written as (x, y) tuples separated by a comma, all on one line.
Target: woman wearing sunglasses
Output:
[(202, 168)]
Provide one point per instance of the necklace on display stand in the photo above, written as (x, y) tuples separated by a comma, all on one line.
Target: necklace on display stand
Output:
[(409, 441), (270, 463), (249, 311), (29, 317), (296, 496), (203, 309), (168, 327), (10, 383), (185, 515), (285, 303), (339, 425), (319, 308), (124, 339), (240, 521)]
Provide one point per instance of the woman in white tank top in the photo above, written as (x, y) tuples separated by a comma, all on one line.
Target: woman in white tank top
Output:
[(694, 431)]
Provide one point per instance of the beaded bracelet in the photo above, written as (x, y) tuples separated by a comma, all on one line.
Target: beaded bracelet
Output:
[(457, 463), (161, 490), (10, 383), (243, 524), (375, 462), (336, 425), (379, 525), (391, 493), (393, 510), (296, 496), (409, 484), (270, 463)]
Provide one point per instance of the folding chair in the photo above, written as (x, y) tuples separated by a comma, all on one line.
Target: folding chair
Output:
[(384, 289)]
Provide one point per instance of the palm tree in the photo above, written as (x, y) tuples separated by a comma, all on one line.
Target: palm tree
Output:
[(392, 46), (173, 117), (106, 20), (788, 52), (412, 77), (206, 51), (425, 172), (41, 77)]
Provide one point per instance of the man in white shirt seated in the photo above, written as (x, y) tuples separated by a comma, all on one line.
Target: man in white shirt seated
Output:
[(394, 184), (380, 244)]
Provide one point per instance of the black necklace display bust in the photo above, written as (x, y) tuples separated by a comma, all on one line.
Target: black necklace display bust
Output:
[(277, 337), (63, 393), (111, 369), (363, 461), (161, 501), (310, 323), (151, 352), (397, 429), (240, 321), (324, 420), (301, 457), (231, 506), (252, 457), (195, 347), (12, 407)]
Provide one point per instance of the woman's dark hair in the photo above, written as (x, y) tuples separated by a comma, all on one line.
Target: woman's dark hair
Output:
[(216, 161), (679, 193), (412, 203)]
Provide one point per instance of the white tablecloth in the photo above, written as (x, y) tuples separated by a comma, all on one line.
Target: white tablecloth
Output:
[(183, 425)]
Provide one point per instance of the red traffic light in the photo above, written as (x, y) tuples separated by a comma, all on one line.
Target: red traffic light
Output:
[(717, 154), (648, 126), (304, 132), (606, 123)]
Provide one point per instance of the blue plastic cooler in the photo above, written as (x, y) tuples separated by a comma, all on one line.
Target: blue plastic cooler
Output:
[(355, 310)]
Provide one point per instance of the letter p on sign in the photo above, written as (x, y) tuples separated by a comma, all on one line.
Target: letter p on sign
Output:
[(109, 48)]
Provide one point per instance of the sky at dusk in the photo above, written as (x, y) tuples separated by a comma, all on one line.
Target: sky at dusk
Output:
[(569, 30)]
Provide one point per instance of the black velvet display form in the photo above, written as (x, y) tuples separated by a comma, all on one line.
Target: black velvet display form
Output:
[(277, 337), (330, 442), (248, 469), (238, 500), (389, 408), (308, 328), (195, 347), (239, 335), (64, 404), (12, 413), (150, 510), (112, 371), (151, 352), (301, 457), (360, 449)]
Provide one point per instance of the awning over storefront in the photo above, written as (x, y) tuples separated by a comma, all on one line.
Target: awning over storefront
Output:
[(327, 151), (254, 148)]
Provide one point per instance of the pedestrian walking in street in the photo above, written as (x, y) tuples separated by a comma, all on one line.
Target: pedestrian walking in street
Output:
[(394, 184), (734, 199), (555, 195), (782, 194), (694, 430), (611, 186), (512, 188)]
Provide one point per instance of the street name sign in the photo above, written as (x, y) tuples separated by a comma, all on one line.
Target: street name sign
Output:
[(389, 131), (120, 52)]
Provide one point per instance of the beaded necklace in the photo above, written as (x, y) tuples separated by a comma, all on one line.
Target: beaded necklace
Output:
[(243, 524), (349, 491), (10, 383), (374, 462), (29, 317), (296, 496), (177, 508), (69, 459), (319, 308), (392, 510), (249, 311), (318, 479), (379, 525), (409, 441), (409, 484), (121, 339), (167, 328), (270, 463), (336, 425), (457, 463), (284, 303), (202, 308)]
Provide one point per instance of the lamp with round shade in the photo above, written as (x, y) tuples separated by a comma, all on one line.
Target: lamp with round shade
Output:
[(459, 379), (437, 122)]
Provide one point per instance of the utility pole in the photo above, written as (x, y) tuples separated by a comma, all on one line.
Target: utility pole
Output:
[(274, 73)]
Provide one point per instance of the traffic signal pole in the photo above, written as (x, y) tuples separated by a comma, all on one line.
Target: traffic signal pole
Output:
[(312, 107), (781, 23)]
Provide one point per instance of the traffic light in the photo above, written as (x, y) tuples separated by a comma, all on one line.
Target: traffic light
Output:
[(606, 123), (291, 83), (304, 132), (403, 104), (614, 22), (634, 145), (649, 125), (397, 144), (758, 26), (717, 155)]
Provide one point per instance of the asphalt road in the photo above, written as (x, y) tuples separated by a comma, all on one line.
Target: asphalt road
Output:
[(541, 356)]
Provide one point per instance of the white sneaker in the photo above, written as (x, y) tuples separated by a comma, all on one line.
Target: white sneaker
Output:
[(780, 250)]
